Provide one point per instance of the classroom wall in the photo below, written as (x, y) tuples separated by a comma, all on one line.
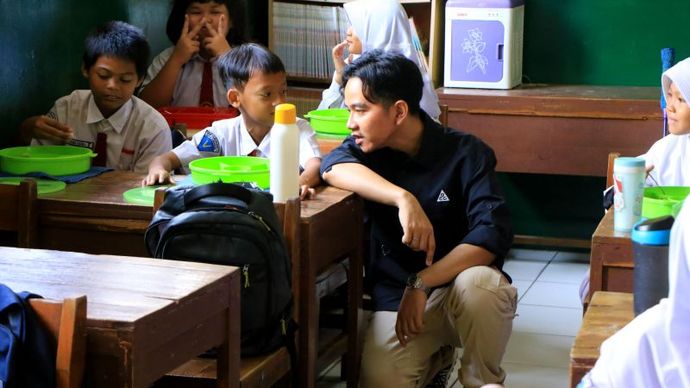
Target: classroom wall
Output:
[(602, 42)]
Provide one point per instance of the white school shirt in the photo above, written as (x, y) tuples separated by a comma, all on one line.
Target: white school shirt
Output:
[(230, 137), (188, 84), (670, 157), (383, 24), (137, 133), (653, 350)]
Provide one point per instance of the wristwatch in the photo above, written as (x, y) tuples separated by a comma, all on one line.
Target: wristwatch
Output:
[(414, 282)]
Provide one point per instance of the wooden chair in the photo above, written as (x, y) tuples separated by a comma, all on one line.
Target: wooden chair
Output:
[(66, 321), (443, 117), (609, 168), (259, 371), (19, 214)]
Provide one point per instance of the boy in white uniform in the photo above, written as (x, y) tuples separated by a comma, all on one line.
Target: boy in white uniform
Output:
[(256, 82), (114, 63), (670, 156)]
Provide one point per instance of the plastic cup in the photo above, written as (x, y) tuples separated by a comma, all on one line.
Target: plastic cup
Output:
[(628, 186)]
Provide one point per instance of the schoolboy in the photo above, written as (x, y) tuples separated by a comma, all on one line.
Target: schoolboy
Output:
[(440, 230), (669, 157), (256, 82), (114, 62)]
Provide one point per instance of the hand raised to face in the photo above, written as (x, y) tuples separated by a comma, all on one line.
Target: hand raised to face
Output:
[(188, 44), (215, 43)]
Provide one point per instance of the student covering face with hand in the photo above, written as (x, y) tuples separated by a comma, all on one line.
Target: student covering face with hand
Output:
[(379, 24), (201, 31)]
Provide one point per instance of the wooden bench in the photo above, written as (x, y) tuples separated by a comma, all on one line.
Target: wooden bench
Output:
[(607, 313)]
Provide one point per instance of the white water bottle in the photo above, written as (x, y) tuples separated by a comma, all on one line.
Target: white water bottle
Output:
[(285, 154)]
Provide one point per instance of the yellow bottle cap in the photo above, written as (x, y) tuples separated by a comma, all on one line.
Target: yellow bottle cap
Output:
[(285, 114)]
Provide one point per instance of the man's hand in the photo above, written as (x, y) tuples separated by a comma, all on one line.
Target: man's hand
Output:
[(216, 44), (418, 233), (43, 127), (157, 176), (188, 43), (410, 321)]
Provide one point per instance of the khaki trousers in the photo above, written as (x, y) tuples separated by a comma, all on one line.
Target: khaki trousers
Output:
[(476, 311)]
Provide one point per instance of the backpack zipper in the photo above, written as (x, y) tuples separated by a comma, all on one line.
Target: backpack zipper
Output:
[(245, 274), (261, 220)]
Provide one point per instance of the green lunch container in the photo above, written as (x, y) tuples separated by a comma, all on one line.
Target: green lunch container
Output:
[(329, 122), (662, 201), (54, 160), (231, 169)]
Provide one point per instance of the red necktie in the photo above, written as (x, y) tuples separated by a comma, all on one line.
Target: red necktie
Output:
[(206, 93), (101, 150), (254, 152)]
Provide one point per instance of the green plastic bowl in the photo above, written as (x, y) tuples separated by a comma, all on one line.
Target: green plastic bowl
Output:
[(331, 122), (49, 159), (231, 169), (663, 201)]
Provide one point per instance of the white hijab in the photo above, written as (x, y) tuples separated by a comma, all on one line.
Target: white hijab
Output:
[(654, 349), (383, 24), (670, 156)]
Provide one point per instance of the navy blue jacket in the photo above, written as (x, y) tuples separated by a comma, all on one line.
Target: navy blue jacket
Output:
[(27, 354)]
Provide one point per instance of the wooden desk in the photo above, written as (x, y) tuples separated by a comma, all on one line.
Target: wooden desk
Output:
[(331, 229), (608, 312), (91, 216), (144, 316), (557, 129), (327, 145), (611, 259)]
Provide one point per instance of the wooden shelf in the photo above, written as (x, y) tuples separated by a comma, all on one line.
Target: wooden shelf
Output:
[(428, 17)]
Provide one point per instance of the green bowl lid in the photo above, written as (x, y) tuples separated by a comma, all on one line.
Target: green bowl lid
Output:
[(335, 114), (230, 164), (329, 121), (141, 195), (46, 152), (43, 186)]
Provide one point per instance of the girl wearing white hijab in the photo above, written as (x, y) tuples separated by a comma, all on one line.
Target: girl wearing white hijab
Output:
[(670, 156), (377, 24), (654, 349)]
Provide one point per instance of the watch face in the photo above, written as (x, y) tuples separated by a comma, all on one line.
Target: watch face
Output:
[(413, 281)]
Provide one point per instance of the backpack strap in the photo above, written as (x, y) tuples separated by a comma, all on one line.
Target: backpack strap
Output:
[(217, 189)]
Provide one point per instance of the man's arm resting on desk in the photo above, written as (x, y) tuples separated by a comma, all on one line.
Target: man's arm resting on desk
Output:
[(418, 233)]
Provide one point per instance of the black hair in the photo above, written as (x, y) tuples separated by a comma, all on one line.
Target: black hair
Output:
[(236, 9), (120, 40), (386, 78), (240, 63)]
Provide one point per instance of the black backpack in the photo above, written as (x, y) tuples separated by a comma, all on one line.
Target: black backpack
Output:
[(222, 223)]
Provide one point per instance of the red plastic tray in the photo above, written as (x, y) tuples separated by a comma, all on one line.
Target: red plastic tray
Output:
[(196, 117)]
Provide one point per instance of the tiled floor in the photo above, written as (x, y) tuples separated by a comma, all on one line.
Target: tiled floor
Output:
[(549, 315)]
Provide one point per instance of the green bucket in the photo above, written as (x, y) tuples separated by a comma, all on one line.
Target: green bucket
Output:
[(329, 122), (55, 160), (231, 169), (662, 201)]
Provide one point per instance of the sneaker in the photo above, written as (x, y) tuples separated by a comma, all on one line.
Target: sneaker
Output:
[(441, 378)]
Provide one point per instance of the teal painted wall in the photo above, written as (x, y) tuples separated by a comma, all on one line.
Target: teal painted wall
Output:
[(602, 42)]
